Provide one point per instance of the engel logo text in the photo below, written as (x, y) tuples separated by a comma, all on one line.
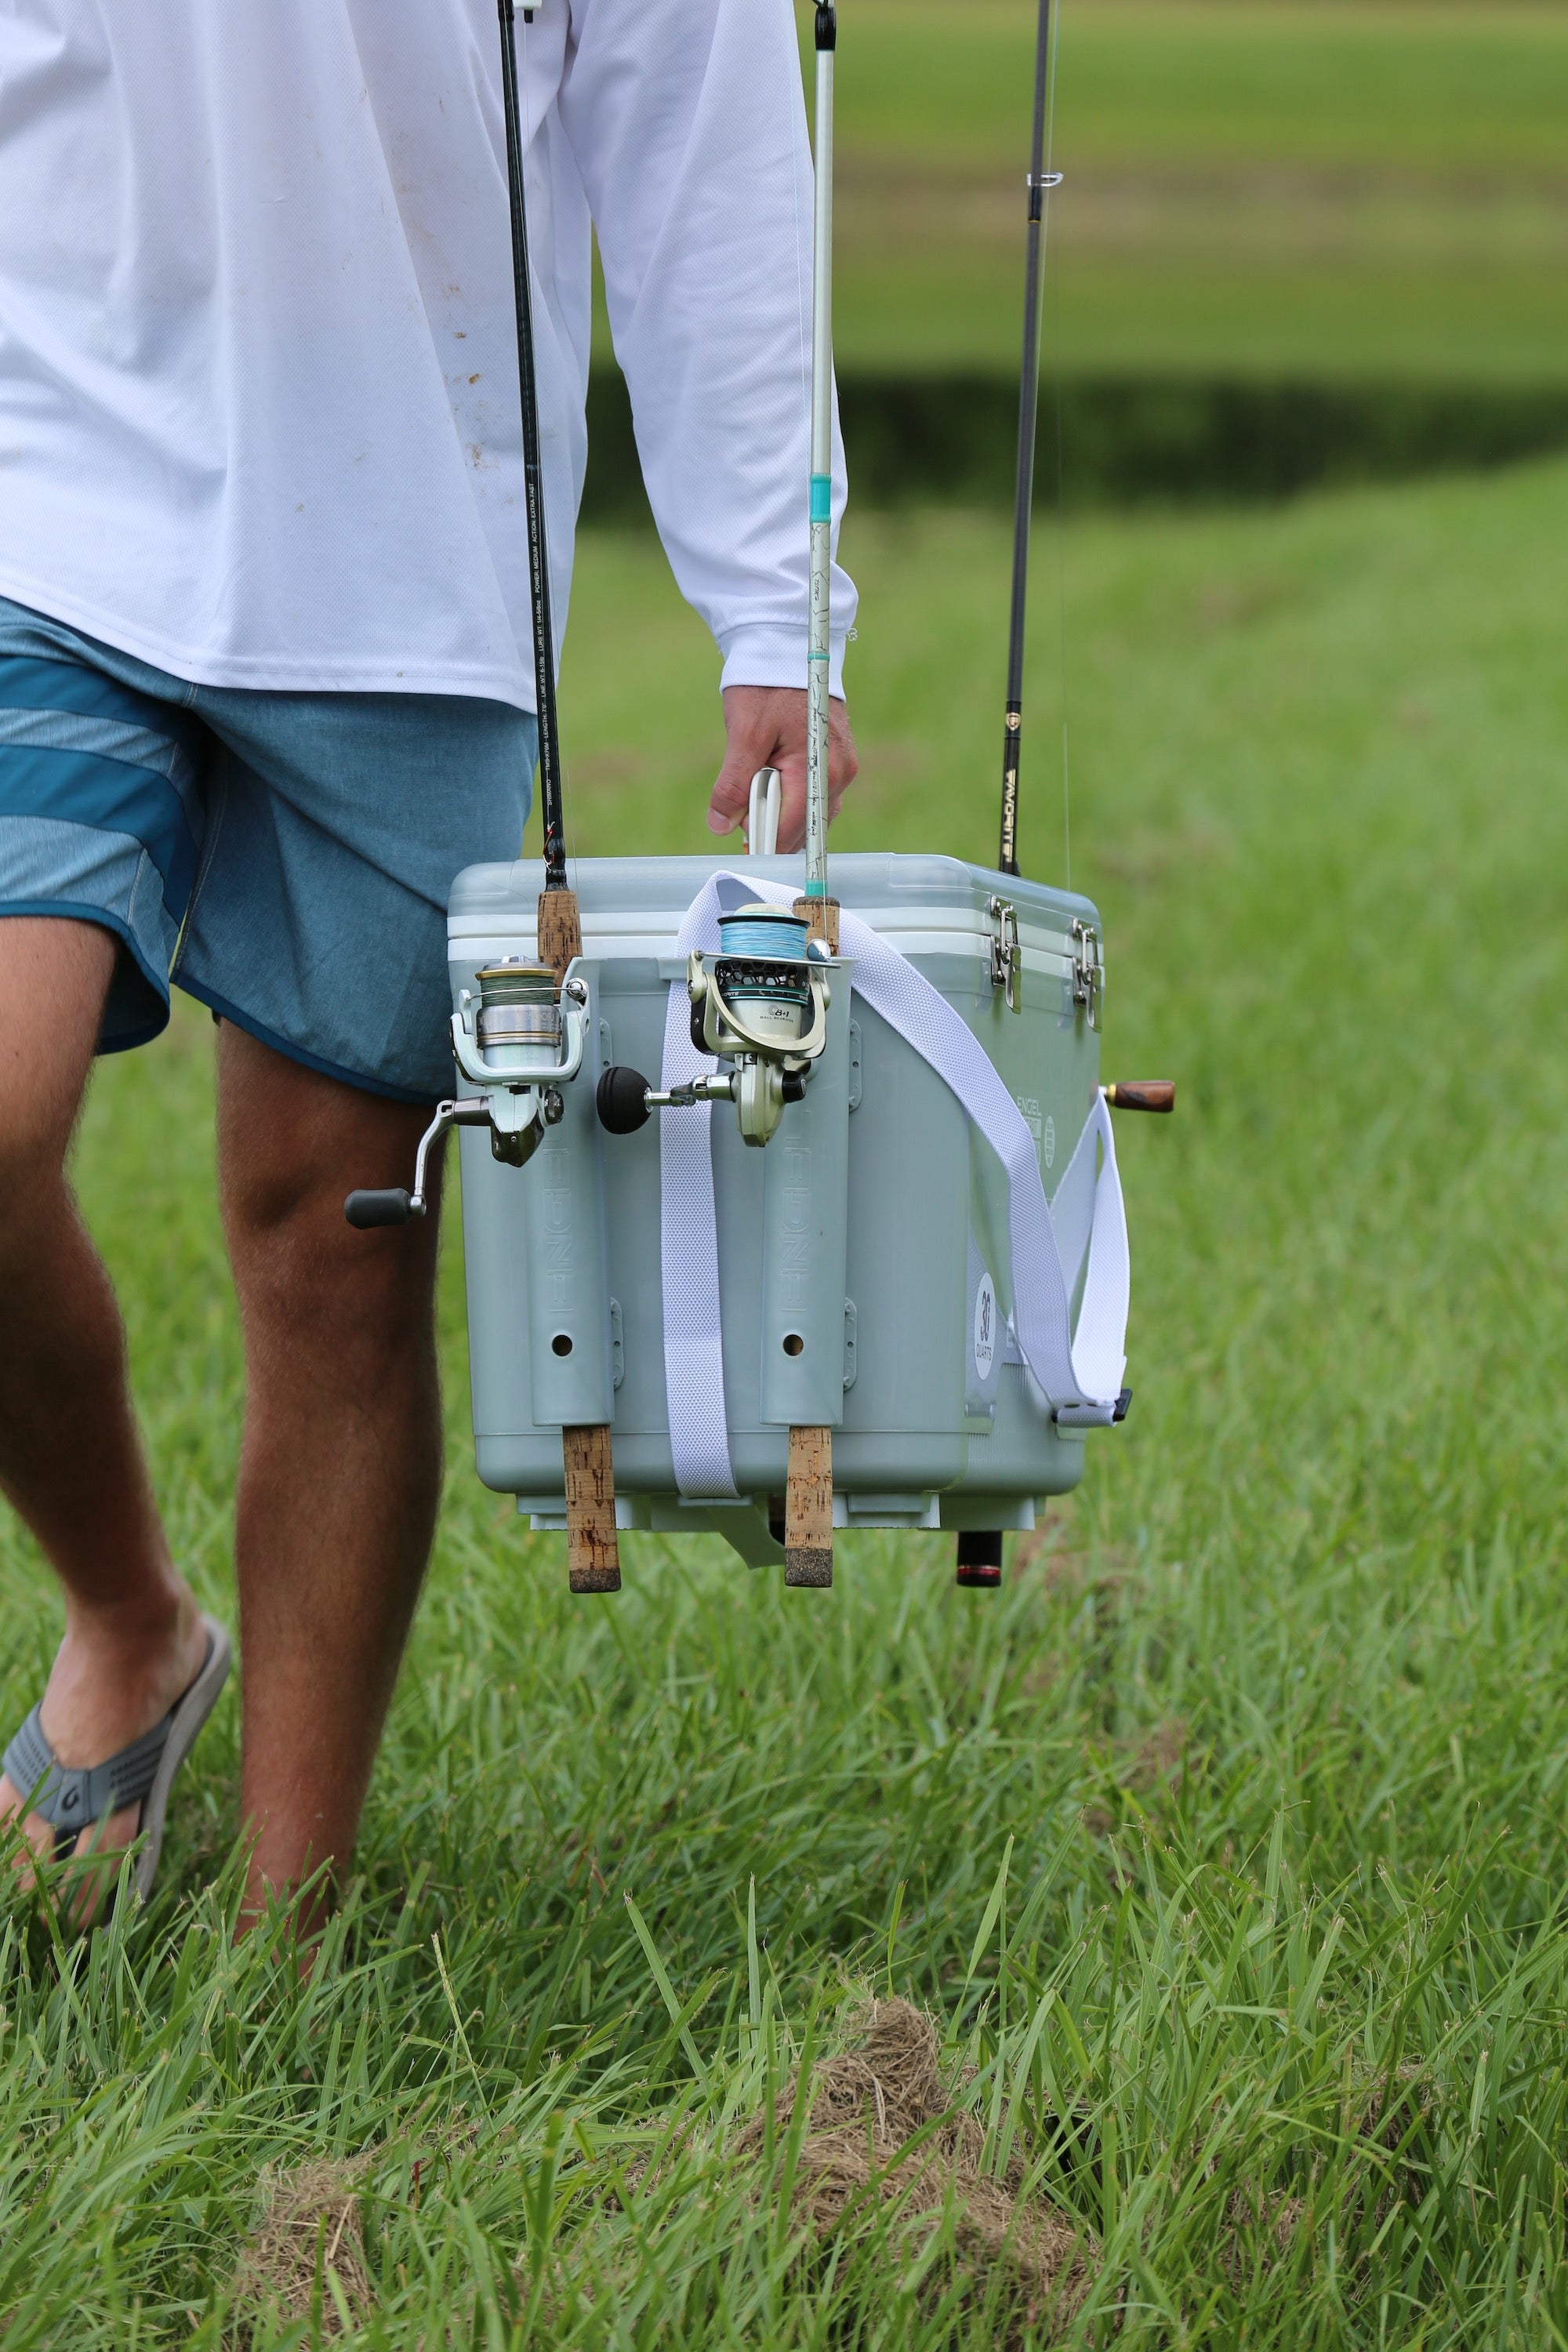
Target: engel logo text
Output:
[(558, 1234)]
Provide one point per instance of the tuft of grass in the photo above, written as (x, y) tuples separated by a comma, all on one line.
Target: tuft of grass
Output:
[(305, 2258), (1225, 1844)]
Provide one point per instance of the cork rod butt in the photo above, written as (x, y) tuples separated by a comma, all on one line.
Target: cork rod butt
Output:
[(808, 1509), (822, 914), (593, 1551), (560, 930)]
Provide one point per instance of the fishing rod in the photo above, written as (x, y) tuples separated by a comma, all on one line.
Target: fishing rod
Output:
[(533, 477), (1040, 182), (592, 1549)]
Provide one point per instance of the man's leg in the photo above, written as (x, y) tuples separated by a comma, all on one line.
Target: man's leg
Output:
[(341, 1466), (71, 1461)]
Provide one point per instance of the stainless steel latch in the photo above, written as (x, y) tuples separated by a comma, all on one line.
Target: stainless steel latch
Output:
[(1006, 956), (1088, 969)]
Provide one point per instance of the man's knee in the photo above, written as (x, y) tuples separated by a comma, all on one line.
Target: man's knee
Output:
[(292, 1144), (54, 979)]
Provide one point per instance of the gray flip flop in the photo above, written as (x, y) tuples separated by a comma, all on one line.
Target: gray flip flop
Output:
[(72, 1800)]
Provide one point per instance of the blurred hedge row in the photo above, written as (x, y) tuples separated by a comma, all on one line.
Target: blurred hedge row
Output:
[(1127, 441)]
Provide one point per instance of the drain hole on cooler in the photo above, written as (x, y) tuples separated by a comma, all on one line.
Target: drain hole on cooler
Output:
[(561, 1343), (793, 1345)]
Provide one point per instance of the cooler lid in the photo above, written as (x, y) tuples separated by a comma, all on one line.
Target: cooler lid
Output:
[(633, 906)]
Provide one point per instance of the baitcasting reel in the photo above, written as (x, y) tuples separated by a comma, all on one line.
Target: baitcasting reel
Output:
[(520, 1046), (762, 1003)]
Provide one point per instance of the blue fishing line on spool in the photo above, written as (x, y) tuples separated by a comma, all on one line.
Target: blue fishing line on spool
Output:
[(762, 961), (780, 938)]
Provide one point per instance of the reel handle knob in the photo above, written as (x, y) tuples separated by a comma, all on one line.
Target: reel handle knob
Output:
[(1142, 1094), (621, 1099), (365, 1210)]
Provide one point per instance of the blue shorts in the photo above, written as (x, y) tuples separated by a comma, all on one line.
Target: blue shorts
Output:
[(284, 857)]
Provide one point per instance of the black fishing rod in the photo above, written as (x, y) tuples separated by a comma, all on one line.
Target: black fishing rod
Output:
[(1028, 404), (538, 546)]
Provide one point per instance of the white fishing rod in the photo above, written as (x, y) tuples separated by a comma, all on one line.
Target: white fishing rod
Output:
[(817, 669)]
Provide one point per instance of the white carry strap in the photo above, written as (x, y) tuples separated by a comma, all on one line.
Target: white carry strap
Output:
[(1073, 1370)]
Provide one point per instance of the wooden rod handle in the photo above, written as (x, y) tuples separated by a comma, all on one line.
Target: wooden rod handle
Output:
[(1142, 1094), (822, 914), (560, 930), (592, 1549), (809, 1509)]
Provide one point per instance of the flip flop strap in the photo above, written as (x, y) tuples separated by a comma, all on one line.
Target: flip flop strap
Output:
[(71, 1798)]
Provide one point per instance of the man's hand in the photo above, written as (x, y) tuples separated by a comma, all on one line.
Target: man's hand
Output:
[(764, 727)]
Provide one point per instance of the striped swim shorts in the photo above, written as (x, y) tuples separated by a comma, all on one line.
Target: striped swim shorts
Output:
[(283, 857)]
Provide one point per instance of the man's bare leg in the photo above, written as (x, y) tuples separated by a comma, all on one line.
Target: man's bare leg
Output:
[(71, 1460), (341, 1466)]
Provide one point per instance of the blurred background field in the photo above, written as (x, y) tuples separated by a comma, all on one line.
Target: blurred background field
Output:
[(1296, 240), (1228, 1842), (1319, 189)]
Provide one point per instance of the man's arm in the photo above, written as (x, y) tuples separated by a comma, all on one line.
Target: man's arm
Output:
[(688, 123)]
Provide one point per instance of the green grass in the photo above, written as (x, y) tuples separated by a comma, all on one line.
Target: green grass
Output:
[(1265, 187), (1270, 1736)]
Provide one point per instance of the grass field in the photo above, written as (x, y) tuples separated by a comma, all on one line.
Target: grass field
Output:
[(1317, 188), (1227, 1842)]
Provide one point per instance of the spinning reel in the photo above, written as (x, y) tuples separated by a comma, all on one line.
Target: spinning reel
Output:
[(520, 1045), (761, 1004)]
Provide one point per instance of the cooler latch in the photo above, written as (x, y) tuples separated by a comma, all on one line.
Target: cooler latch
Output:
[(1088, 969), (1006, 956)]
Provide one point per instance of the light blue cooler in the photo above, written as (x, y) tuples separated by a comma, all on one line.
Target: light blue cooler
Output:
[(864, 1268)]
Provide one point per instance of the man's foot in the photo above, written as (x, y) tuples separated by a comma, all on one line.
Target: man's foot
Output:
[(115, 1675)]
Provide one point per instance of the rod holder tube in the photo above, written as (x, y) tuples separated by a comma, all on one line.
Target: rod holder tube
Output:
[(564, 1246), (818, 670), (805, 1205)]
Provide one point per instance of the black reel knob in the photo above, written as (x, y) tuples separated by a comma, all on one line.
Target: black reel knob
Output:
[(980, 1558), (368, 1210), (621, 1099)]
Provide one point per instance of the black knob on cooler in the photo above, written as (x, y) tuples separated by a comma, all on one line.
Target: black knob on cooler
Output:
[(622, 1100), (980, 1558)]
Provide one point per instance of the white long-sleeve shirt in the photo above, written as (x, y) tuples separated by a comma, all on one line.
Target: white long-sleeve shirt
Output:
[(258, 399)]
